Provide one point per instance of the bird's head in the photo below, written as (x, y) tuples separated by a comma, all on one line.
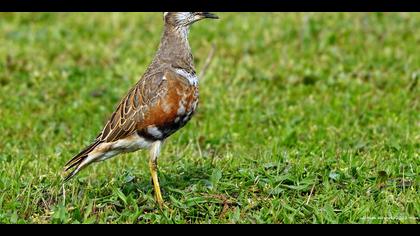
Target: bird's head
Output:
[(185, 19)]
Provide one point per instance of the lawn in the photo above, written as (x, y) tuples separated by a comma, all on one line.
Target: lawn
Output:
[(303, 118)]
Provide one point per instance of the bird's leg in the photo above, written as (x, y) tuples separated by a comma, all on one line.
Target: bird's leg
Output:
[(154, 153)]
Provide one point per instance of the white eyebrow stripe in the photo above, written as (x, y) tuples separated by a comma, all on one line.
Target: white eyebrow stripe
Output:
[(181, 16)]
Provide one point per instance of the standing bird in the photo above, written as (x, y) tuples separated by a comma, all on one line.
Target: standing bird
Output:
[(161, 102)]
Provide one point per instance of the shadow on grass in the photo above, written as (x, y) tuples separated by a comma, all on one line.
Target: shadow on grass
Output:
[(178, 181)]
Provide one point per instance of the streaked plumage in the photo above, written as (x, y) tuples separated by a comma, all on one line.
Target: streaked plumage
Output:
[(160, 103)]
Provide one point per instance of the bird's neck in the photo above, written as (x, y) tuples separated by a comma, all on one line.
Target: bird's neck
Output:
[(174, 47)]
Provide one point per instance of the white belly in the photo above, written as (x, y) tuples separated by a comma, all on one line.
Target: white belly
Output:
[(129, 144), (132, 143)]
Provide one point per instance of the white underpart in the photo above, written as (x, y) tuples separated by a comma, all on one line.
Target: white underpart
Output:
[(191, 77), (155, 149), (153, 130), (130, 144)]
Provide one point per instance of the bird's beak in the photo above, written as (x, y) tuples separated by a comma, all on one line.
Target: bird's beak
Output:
[(208, 15)]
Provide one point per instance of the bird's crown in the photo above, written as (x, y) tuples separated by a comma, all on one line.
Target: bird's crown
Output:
[(179, 19)]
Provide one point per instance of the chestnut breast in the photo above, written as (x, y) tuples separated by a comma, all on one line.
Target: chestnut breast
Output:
[(173, 108)]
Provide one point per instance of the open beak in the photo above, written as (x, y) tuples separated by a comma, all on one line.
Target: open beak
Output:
[(209, 15)]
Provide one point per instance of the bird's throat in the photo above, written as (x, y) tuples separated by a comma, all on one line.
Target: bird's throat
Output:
[(174, 45)]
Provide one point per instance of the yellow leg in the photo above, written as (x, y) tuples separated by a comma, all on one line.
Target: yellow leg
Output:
[(154, 152)]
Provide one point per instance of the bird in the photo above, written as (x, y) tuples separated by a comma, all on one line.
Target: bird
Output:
[(162, 101)]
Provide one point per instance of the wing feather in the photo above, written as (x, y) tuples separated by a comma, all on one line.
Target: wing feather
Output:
[(132, 108)]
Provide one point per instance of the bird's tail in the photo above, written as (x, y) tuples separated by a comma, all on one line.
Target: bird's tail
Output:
[(78, 160)]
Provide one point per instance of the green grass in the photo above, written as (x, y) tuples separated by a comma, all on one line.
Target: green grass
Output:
[(303, 118)]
